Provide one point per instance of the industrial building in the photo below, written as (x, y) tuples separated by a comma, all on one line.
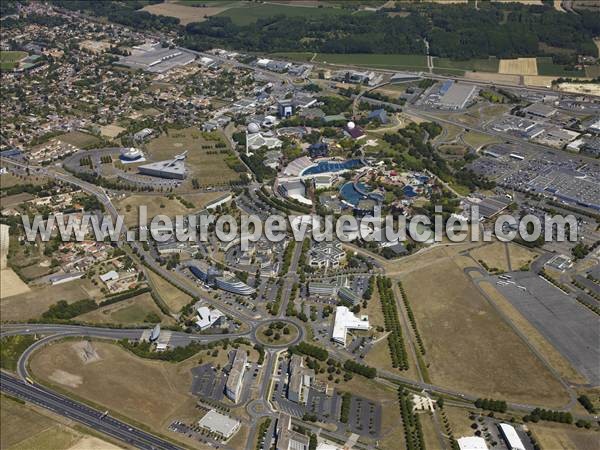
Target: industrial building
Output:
[(157, 60), (220, 424), (345, 321), (456, 95), (235, 380), (300, 380), (287, 438), (171, 168), (510, 436)]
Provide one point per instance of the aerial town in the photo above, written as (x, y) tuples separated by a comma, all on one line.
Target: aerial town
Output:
[(132, 111)]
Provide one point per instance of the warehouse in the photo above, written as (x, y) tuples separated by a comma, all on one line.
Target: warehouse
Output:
[(513, 441), (157, 60), (457, 96)]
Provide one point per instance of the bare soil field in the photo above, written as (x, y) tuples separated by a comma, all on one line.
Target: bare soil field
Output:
[(518, 66), (111, 131), (469, 345), (11, 284), (580, 88), (493, 77), (538, 80), (186, 14)]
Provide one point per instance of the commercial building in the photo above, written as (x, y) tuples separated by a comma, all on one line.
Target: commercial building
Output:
[(510, 436), (230, 283), (300, 380), (65, 277), (540, 110), (235, 380), (220, 424), (326, 255), (171, 168), (457, 96), (143, 134), (157, 60), (472, 443), (288, 439), (206, 317), (325, 289), (345, 321)]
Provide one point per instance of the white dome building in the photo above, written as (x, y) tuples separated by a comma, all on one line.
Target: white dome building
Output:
[(350, 125), (131, 154), (253, 128)]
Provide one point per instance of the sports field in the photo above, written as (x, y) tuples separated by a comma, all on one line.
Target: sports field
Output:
[(469, 345), (10, 59)]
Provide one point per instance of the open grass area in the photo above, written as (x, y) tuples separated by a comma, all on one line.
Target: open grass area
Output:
[(294, 56), (173, 297), (247, 14), (11, 349), (564, 437), (469, 346), (477, 65), (138, 310), (150, 392), (206, 162), (25, 427), (271, 334), (494, 255), (79, 139), (382, 61), (188, 13), (31, 305), (155, 204)]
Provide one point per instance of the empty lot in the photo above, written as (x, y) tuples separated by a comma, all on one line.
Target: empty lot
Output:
[(469, 346)]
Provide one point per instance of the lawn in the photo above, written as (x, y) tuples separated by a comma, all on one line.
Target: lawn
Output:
[(477, 65), (469, 346), (245, 15), (547, 67), (205, 162), (283, 339), (375, 60), (11, 349)]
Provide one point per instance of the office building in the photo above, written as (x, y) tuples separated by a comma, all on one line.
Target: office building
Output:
[(235, 379)]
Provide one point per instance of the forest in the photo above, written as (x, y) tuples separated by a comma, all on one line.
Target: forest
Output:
[(456, 31)]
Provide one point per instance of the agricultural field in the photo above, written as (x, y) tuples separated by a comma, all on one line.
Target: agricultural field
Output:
[(139, 310), (25, 427), (518, 66), (188, 13), (460, 328), (10, 59), (247, 14), (381, 61), (205, 162), (476, 65), (546, 67)]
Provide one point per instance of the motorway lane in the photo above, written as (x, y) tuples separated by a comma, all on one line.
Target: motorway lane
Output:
[(81, 413)]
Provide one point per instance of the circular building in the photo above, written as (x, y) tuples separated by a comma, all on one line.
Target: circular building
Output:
[(131, 154)]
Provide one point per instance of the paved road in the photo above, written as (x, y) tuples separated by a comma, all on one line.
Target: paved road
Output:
[(64, 406)]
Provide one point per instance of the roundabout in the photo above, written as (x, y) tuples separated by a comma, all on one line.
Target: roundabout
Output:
[(278, 333)]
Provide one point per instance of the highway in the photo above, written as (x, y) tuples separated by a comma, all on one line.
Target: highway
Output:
[(92, 418)]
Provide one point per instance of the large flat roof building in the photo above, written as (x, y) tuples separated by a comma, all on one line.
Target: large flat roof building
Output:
[(234, 384), (220, 424), (345, 321), (472, 443), (170, 168), (157, 60), (300, 380), (288, 439), (457, 96), (512, 439)]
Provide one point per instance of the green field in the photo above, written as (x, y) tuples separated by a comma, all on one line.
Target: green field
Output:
[(548, 68), (294, 56), (376, 60), (477, 65), (245, 15), (10, 60)]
